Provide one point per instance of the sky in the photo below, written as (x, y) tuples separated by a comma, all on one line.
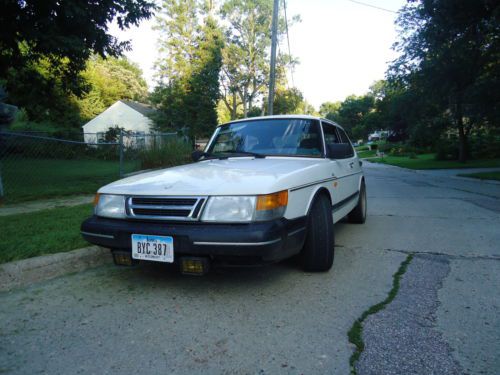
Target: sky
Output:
[(342, 46)]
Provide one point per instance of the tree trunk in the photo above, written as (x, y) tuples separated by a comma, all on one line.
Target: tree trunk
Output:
[(233, 111), (462, 137), (245, 109), (462, 144)]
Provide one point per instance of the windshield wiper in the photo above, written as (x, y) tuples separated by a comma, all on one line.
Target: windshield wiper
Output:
[(209, 155), (245, 153)]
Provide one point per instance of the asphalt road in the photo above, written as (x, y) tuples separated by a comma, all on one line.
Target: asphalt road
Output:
[(280, 320)]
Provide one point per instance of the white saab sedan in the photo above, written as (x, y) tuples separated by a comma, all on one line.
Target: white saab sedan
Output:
[(264, 189)]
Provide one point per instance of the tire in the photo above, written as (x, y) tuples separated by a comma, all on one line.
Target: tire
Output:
[(358, 213), (319, 247)]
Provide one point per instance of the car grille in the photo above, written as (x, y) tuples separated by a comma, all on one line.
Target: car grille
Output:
[(165, 208)]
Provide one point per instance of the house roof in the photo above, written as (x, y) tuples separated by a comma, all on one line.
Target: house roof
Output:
[(143, 109)]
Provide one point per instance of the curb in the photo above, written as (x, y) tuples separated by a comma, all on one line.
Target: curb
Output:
[(28, 271)]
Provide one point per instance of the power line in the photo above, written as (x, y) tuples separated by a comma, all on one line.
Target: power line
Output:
[(288, 40), (372, 6)]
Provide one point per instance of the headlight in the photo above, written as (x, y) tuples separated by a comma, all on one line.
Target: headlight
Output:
[(112, 206), (232, 209), (246, 208)]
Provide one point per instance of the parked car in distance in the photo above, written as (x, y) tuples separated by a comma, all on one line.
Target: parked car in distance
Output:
[(263, 190)]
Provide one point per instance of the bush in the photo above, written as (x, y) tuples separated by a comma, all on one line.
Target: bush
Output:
[(386, 147), (485, 146), (480, 146), (406, 150), (165, 154)]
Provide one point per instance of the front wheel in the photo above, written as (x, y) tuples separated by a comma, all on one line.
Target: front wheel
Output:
[(318, 251), (358, 213)]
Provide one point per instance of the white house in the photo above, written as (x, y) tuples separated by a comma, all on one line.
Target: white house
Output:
[(131, 116)]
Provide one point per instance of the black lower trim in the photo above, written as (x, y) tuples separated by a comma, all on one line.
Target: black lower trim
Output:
[(262, 242), (343, 202)]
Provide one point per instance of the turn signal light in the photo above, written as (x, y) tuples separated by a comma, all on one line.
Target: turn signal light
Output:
[(96, 199), (272, 201)]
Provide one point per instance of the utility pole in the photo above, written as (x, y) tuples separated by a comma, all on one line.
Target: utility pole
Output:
[(274, 42)]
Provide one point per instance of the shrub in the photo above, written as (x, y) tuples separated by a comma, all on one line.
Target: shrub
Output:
[(485, 146), (480, 146), (386, 147), (164, 154), (406, 150)]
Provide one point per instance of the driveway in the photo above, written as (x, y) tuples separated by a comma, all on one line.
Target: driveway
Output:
[(280, 320)]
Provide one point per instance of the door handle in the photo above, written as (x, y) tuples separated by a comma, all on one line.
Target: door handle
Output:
[(351, 164)]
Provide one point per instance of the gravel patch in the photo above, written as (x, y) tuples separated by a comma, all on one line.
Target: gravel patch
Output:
[(402, 338)]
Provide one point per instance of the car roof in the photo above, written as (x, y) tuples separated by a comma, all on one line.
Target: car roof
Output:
[(300, 117)]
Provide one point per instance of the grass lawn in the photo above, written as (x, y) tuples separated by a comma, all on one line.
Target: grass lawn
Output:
[(427, 161), (367, 153), (43, 232), (483, 175), (29, 179)]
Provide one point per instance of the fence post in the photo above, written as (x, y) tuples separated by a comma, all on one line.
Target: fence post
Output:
[(121, 153)]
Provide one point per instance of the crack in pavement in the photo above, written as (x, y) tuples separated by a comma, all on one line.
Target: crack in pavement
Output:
[(450, 256), (355, 334), (402, 338)]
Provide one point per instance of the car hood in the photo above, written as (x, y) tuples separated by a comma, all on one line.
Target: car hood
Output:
[(233, 176)]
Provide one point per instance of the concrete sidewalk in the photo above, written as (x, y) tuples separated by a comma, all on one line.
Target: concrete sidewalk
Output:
[(33, 206)]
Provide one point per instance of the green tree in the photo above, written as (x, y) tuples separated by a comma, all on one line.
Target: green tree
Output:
[(451, 49), (352, 111), (329, 108), (91, 105), (66, 32), (245, 71), (39, 88), (202, 99), (189, 66), (177, 22), (287, 101), (246, 54), (108, 81)]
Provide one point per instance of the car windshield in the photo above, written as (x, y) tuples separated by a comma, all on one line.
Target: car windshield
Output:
[(273, 137)]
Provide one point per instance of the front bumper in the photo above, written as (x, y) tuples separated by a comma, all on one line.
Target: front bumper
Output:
[(253, 243)]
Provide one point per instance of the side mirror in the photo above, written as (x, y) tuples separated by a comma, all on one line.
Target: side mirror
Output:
[(338, 151), (196, 155)]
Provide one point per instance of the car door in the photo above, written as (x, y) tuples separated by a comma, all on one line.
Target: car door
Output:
[(352, 166), (338, 168)]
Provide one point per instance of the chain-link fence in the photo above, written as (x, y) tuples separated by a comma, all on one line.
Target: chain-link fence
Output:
[(36, 167)]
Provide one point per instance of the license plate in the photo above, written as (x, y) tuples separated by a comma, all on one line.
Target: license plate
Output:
[(155, 248)]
